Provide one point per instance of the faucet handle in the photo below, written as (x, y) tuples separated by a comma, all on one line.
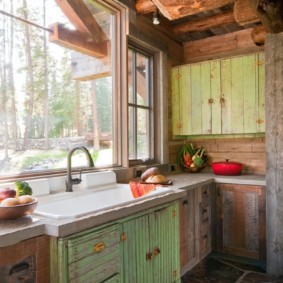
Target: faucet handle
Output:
[(77, 181)]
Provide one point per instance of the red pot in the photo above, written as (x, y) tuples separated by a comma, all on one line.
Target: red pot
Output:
[(229, 168)]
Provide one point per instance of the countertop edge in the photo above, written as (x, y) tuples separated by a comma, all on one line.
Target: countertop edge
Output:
[(14, 231)]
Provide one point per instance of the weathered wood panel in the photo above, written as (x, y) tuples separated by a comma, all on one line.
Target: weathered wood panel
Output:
[(274, 149), (239, 227), (226, 91), (185, 99), (215, 78), (165, 244), (37, 249), (205, 98), (136, 267), (196, 99), (215, 93), (261, 93), (195, 227), (176, 119), (189, 227), (250, 90), (237, 96)]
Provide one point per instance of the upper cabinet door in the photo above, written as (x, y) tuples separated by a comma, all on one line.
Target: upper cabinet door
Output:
[(219, 97)]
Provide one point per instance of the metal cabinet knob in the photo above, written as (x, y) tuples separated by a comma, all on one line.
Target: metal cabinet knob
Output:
[(99, 247)]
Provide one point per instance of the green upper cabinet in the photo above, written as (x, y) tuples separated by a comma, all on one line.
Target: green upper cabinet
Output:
[(219, 97)]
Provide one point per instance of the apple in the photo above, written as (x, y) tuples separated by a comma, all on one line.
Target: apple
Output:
[(7, 193)]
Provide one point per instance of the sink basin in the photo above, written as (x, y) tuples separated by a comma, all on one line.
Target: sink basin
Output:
[(84, 202)]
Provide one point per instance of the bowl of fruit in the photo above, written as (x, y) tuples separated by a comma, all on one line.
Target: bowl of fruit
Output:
[(18, 202), (192, 159)]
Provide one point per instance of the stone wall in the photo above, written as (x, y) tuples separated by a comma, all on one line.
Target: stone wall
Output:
[(54, 143)]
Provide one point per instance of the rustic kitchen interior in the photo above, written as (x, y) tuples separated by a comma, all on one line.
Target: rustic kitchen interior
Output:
[(217, 85)]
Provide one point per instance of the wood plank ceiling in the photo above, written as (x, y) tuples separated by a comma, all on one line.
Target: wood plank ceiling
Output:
[(191, 20)]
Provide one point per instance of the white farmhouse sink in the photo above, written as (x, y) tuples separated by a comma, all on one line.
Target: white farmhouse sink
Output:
[(86, 201)]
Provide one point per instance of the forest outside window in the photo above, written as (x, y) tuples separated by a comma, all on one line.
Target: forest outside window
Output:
[(140, 108), (56, 94)]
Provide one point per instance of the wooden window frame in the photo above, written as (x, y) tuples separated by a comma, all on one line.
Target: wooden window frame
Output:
[(149, 107), (120, 82)]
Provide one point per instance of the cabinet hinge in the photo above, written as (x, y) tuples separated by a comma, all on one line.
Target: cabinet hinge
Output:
[(175, 273), (258, 63), (123, 236), (174, 213)]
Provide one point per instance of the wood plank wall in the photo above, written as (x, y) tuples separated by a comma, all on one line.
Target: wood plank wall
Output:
[(250, 151)]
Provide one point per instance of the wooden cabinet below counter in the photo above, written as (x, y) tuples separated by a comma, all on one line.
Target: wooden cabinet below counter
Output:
[(240, 220), (141, 248), (26, 261), (195, 226)]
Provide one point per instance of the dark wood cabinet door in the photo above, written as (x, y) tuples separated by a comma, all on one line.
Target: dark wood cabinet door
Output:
[(240, 220)]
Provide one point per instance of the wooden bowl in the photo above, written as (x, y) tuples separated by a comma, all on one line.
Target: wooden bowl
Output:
[(16, 211), (193, 169)]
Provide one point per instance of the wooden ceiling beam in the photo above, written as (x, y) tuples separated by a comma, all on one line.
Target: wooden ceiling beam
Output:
[(204, 24), (221, 46), (270, 14), (80, 16), (77, 41), (176, 9), (145, 6), (244, 14)]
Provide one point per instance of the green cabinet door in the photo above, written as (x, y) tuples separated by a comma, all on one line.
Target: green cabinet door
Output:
[(151, 247), (242, 98), (219, 97)]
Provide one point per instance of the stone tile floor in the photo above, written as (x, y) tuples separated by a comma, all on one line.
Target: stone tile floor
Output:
[(216, 270)]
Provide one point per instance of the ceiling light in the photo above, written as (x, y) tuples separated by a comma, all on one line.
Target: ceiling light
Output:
[(155, 18)]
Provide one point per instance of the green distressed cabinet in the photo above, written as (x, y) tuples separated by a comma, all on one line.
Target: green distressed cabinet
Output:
[(141, 248), (92, 256), (151, 247), (219, 97)]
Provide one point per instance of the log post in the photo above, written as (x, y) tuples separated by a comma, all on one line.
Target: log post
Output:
[(274, 150), (258, 35)]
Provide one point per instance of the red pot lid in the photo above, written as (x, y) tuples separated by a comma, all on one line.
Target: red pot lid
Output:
[(228, 162)]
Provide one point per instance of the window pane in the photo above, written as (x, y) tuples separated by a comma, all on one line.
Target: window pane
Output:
[(132, 139), (140, 109), (131, 76), (52, 98), (142, 80), (142, 134)]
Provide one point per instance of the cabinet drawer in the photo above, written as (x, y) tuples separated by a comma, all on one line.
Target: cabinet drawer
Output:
[(96, 244), (95, 271)]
